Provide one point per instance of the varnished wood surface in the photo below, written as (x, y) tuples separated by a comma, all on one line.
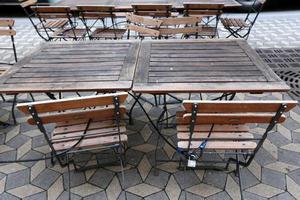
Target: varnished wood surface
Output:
[(203, 66), (126, 4), (74, 66)]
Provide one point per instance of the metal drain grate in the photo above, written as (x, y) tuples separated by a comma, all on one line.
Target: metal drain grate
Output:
[(286, 64)]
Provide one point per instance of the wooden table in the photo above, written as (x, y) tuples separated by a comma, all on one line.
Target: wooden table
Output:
[(125, 5), (74, 66), (187, 66)]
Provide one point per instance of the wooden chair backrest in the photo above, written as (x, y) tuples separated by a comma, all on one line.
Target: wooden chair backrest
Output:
[(204, 9), (54, 111), (233, 112), (153, 10), (96, 11), (50, 12), (27, 3), (143, 25), (6, 27), (179, 25)]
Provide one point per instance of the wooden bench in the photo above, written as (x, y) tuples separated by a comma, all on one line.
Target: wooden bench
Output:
[(6, 29), (81, 122), (222, 127), (152, 10)]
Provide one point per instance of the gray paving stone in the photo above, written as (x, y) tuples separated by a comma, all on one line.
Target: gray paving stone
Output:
[(129, 196), (65, 196), (133, 157), (263, 157), (135, 139), (215, 178), (77, 178), (283, 196), (47, 174), (39, 196), (132, 178), (189, 196), (161, 155), (6, 196), (186, 179), (39, 141), (273, 178), (158, 181), (101, 178), (219, 196), (96, 196), (18, 141), (251, 196), (289, 157), (17, 179), (31, 155), (158, 196), (278, 139), (248, 179), (9, 155), (295, 175)]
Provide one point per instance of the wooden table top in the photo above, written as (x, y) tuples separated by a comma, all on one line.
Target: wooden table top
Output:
[(170, 66), (74, 66), (126, 4)]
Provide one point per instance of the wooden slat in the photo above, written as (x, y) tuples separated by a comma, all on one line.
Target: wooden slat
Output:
[(27, 3), (51, 9), (220, 145), (172, 31), (96, 8), (143, 20), (66, 79), (223, 135), (91, 142), (72, 103), (237, 106), (89, 134), (7, 22), (217, 128), (228, 118), (104, 113), (179, 21), (143, 30), (151, 6), (73, 126), (7, 32), (202, 6)]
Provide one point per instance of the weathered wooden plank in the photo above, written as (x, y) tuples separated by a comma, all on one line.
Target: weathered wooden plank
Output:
[(101, 65), (196, 55), (141, 74), (201, 74), (82, 56), (62, 79), (65, 74), (75, 60), (203, 69), (187, 79), (219, 59)]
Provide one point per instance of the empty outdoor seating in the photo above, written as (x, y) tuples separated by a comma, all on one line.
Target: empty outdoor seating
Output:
[(152, 10), (210, 14), (221, 127), (68, 31), (241, 28), (142, 26), (6, 29), (81, 123), (92, 15), (40, 26)]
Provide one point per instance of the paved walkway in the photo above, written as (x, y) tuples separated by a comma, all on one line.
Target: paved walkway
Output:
[(275, 173)]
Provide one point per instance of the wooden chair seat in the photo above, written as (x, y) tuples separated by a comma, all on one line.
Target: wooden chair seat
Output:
[(99, 133), (55, 24), (108, 33), (70, 33), (207, 31), (234, 22)]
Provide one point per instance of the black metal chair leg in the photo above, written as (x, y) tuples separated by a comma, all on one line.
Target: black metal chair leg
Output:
[(14, 48), (239, 176), (13, 109), (31, 96)]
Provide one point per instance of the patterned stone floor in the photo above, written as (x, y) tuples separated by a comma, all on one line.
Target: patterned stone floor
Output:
[(274, 174)]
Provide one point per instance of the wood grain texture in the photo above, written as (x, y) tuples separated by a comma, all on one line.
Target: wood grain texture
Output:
[(202, 66), (75, 66)]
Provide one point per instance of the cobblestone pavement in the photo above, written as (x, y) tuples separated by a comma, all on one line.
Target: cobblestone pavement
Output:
[(274, 174)]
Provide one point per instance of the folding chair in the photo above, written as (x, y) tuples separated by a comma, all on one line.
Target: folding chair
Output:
[(207, 128), (6, 29), (142, 26), (68, 31), (182, 27), (81, 124), (50, 25), (210, 14), (152, 10), (241, 28), (91, 15)]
